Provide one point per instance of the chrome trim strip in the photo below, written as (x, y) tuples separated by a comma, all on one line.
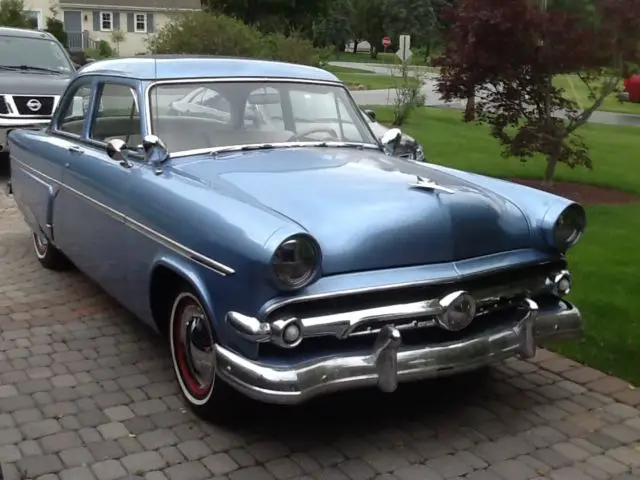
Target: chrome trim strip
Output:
[(388, 361), (15, 122), (239, 148), (167, 242)]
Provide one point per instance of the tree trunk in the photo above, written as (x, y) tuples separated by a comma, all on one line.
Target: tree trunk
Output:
[(374, 51), (427, 52), (470, 108), (355, 46), (550, 171)]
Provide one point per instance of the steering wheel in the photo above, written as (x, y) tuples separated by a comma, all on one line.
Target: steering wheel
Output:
[(300, 135)]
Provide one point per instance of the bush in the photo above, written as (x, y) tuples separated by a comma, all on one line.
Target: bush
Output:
[(294, 49), (56, 28), (205, 33), (101, 50), (12, 14)]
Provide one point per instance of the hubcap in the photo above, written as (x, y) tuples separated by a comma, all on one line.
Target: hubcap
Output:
[(40, 243), (194, 350)]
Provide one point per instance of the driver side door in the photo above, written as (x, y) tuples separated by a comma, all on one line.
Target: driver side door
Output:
[(90, 209)]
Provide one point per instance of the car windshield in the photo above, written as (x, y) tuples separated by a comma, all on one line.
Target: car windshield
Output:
[(37, 54), (226, 114)]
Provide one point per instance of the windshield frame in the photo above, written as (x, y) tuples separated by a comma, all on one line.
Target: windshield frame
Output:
[(148, 124), (56, 43)]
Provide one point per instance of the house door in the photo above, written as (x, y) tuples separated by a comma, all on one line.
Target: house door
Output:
[(73, 27)]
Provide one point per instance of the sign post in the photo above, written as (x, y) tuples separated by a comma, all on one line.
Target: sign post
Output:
[(404, 52), (386, 41)]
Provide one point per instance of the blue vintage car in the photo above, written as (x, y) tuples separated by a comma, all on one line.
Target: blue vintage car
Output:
[(289, 260)]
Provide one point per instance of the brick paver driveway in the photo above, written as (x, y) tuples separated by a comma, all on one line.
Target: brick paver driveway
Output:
[(86, 392)]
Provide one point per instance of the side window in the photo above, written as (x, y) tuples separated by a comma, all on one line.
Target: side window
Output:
[(117, 115), (75, 112)]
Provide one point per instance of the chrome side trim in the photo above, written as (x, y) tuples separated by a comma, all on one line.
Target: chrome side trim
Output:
[(148, 232), (388, 362)]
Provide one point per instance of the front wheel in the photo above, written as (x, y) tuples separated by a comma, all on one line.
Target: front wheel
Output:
[(192, 342), (47, 254)]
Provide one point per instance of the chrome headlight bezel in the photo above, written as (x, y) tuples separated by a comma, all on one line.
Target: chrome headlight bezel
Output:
[(568, 227), (299, 248)]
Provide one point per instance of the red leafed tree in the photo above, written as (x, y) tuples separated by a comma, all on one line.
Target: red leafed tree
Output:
[(505, 53)]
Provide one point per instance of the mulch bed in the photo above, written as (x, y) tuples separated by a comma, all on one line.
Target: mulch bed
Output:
[(582, 193)]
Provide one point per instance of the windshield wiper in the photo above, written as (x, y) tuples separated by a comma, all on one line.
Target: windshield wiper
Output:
[(270, 146), (29, 67), (242, 148)]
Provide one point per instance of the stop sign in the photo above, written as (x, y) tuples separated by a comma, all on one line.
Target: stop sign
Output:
[(386, 41)]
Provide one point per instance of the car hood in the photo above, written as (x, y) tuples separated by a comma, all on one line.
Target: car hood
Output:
[(32, 83), (361, 208)]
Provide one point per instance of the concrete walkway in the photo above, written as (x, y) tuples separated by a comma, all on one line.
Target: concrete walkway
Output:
[(386, 97)]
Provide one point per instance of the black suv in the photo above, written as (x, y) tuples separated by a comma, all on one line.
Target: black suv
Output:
[(34, 71)]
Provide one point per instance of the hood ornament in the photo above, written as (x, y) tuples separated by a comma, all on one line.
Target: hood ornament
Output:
[(428, 184)]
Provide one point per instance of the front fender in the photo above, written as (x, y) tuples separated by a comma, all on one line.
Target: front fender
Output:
[(201, 280), (539, 207)]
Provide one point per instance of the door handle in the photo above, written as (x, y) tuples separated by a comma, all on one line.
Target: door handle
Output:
[(75, 150)]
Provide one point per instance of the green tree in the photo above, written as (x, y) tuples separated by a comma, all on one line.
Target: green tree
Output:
[(370, 17), (12, 14), (336, 26)]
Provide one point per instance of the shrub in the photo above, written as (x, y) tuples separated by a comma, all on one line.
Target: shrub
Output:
[(56, 28), (12, 14), (204, 33), (101, 50), (294, 49)]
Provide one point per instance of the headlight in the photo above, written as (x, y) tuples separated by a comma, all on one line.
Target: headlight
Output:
[(296, 262), (569, 227)]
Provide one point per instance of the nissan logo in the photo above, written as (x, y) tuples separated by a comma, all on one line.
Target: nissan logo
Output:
[(34, 105)]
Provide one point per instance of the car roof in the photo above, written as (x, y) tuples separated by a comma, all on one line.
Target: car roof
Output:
[(25, 33), (173, 67)]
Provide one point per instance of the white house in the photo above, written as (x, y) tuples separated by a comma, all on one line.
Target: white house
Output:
[(88, 21)]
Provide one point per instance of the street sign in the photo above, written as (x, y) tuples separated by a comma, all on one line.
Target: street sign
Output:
[(404, 52), (386, 41)]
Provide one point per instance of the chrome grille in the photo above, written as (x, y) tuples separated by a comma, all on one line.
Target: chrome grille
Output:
[(28, 105), (4, 108)]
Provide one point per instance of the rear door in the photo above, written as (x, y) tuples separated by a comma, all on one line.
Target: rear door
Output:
[(89, 213)]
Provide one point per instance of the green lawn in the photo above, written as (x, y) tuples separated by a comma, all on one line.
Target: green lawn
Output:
[(372, 81), (576, 90), (605, 264), (335, 70)]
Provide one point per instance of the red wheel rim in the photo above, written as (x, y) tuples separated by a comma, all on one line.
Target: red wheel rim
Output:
[(193, 347)]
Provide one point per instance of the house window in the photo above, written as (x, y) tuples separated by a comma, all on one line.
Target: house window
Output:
[(106, 21), (34, 17), (141, 22)]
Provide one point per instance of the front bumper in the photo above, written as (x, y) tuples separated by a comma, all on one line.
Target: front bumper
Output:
[(389, 362)]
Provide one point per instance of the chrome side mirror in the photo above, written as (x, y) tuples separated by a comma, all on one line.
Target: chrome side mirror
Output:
[(117, 150), (155, 152), (391, 139)]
